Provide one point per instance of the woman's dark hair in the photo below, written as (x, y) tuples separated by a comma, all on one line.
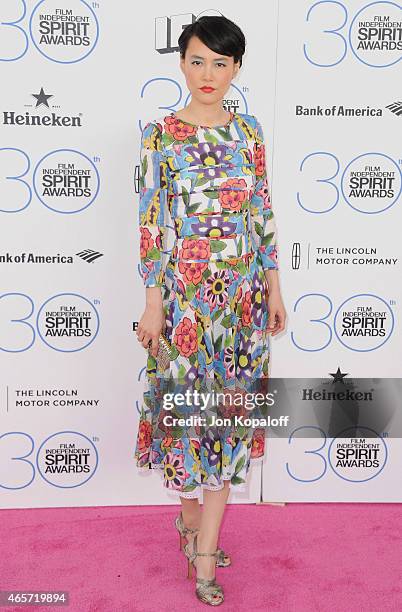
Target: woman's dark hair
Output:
[(218, 33)]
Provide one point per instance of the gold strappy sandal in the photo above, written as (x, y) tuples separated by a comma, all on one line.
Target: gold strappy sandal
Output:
[(207, 590), (183, 530), (222, 559)]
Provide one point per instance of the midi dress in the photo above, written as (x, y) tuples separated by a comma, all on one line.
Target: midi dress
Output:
[(207, 234)]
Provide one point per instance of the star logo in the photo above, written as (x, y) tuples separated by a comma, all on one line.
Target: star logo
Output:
[(338, 375), (42, 98)]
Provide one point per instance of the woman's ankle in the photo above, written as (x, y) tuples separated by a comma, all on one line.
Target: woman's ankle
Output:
[(205, 567), (206, 544), (191, 520)]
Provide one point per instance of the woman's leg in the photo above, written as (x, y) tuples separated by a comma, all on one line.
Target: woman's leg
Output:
[(191, 512), (211, 519)]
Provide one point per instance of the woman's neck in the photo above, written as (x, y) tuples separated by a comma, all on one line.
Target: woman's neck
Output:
[(204, 115)]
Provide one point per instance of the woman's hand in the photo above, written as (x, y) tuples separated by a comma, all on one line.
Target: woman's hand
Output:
[(276, 311), (152, 322)]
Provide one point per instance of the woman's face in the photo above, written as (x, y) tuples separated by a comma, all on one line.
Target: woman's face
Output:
[(205, 68)]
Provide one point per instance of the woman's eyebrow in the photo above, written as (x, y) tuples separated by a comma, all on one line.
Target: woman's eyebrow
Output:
[(216, 58)]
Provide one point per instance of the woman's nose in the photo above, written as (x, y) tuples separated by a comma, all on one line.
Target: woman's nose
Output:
[(207, 73)]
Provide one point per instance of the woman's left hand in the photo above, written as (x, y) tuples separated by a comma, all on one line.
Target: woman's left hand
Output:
[(276, 312)]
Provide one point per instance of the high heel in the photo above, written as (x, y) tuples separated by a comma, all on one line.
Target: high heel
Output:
[(183, 531), (207, 589), (222, 559)]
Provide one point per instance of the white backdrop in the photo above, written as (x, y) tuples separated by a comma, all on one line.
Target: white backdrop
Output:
[(79, 82), (337, 126)]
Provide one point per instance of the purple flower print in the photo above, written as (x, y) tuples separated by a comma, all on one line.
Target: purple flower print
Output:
[(191, 375), (244, 362), (175, 472), (216, 289), (212, 445), (213, 227), (228, 362), (257, 299), (206, 157)]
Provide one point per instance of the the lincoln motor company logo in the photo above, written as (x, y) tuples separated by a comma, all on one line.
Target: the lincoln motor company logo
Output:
[(41, 114)]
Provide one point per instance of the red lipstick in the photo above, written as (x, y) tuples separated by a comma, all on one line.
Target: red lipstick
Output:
[(207, 89)]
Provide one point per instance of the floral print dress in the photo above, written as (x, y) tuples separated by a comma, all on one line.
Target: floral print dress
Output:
[(207, 235)]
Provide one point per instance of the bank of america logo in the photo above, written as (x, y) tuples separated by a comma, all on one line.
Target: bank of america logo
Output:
[(89, 255), (395, 107)]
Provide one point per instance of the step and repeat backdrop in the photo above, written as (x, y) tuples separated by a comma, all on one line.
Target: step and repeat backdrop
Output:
[(79, 81), (337, 191)]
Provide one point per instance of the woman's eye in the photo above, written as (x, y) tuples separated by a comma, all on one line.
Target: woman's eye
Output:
[(197, 62)]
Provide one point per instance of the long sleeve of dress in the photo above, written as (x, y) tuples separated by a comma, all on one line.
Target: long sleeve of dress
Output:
[(154, 215), (263, 225)]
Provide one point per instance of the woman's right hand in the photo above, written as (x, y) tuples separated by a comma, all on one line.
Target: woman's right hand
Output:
[(151, 324)]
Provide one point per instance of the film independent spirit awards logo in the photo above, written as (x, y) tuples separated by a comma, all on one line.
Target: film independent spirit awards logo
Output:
[(64, 34), (362, 454), (375, 39), (64, 180), (346, 413), (67, 459)]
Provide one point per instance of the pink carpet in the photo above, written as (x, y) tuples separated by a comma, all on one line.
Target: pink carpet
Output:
[(301, 557)]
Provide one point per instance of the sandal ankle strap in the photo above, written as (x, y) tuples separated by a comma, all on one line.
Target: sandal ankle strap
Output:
[(214, 554), (182, 528), (203, 554)]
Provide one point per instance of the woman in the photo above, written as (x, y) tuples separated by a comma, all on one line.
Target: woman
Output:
[(204, 183)]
